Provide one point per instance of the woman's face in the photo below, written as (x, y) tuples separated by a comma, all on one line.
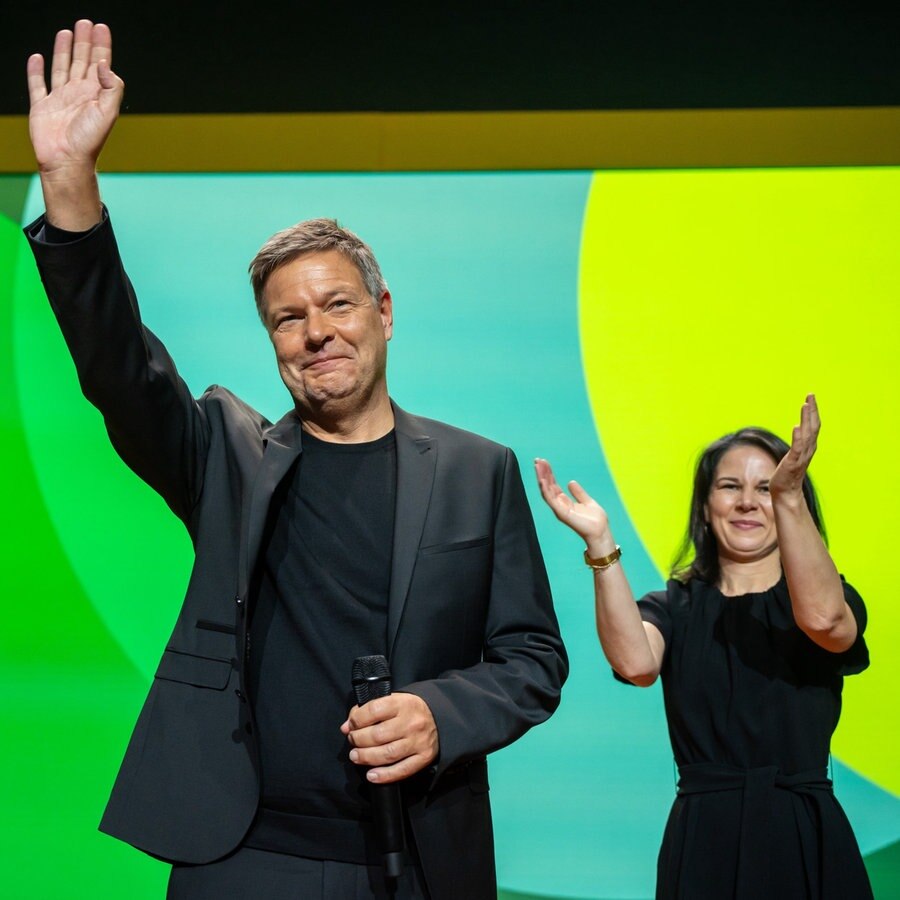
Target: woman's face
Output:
[(739, 508)]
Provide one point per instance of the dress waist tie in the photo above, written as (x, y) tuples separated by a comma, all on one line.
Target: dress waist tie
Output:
[(758, 787)]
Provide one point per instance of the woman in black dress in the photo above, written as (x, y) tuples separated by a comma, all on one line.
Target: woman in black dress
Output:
[(752, 640)]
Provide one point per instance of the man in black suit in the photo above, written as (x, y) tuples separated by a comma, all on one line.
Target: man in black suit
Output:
[(347, 528)]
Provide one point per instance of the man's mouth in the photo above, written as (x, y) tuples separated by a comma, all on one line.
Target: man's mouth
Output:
[(323, 362)]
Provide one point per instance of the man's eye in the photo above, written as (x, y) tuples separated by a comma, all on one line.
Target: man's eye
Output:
[(764, 489)]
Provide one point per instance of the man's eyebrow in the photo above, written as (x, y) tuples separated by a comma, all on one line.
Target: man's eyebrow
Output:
[(347, 290), (327, 295)]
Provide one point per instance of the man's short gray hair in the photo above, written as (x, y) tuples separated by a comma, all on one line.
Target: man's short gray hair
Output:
[(314, 236)]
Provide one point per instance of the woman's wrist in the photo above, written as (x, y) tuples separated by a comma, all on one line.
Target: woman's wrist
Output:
[(789, 501), (601, 545), (602, 563)]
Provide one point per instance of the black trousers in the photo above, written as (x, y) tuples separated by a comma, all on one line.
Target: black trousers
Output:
[(249, 874)]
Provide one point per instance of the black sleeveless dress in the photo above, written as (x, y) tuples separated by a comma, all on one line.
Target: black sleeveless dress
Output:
[(751, 704)]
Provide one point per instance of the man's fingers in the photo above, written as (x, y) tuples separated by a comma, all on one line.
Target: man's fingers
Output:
[(62, 59), (37, 86), (81, 49), (101, 44), (396, 735), (384, 730), (113, 87), (393, 762), (386, 754), (375, 735), (377, 710), (75, 51), (105, 76), (397, 772)]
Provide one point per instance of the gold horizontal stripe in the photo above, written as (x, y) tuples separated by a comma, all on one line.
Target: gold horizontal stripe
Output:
[(397, 142)]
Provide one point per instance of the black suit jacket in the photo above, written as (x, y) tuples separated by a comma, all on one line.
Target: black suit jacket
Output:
[(471, 628)]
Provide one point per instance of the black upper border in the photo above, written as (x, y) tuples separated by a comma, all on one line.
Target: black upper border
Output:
[(303, 57)]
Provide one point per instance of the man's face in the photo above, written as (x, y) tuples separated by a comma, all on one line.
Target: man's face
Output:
[(330, 338)]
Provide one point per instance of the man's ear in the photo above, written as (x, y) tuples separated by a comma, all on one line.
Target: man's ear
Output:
[(386, 311)]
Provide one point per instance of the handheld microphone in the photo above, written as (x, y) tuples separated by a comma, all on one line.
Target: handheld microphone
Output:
[(372, 678)]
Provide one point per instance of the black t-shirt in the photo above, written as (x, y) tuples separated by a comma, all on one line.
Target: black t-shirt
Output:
[(322, 602)]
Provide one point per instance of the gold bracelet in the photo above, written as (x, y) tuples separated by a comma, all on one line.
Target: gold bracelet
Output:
[(603, 562)]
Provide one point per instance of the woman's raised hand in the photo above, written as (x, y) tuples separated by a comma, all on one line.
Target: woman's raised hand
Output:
[(788, 477), (69, 123), (580, 512)]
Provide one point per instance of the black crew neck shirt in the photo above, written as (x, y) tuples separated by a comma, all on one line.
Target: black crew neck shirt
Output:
[(322, 602)]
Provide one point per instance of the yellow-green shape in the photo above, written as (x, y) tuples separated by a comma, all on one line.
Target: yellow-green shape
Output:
[(713, 299)]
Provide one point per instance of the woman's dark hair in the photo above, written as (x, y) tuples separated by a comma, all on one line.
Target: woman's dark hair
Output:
[(698, 556)]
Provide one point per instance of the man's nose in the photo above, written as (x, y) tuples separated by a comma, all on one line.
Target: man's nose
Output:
[(318, 328)]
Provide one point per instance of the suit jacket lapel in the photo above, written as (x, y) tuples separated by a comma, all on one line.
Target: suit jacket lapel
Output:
[(416, 460), (282, 447)]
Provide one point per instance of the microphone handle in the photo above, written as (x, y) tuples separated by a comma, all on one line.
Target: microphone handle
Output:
[(372, 679), (387, 810)]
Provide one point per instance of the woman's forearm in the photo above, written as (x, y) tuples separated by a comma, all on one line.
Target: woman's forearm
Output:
[(817, 596), (629, 649)]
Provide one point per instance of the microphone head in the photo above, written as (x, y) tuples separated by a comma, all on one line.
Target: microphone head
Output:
[(371, 677)]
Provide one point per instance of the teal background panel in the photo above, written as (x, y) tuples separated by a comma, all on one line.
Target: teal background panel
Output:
[(484, 273)]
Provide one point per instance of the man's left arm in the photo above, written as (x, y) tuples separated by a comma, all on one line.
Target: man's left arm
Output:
[(465, 713)]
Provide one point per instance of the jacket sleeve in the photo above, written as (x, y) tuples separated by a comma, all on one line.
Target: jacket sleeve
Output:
[(518, 682), (154, 423)]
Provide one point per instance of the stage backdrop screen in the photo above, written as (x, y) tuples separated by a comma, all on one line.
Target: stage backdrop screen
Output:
[(612, 322)]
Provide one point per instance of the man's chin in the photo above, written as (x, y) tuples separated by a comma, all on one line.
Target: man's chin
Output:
[(321, 399)]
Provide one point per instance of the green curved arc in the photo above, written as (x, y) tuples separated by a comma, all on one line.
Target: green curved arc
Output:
[(82, 480), (71, 694)]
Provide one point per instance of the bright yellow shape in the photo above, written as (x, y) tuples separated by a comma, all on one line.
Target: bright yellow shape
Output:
[(715, 299)]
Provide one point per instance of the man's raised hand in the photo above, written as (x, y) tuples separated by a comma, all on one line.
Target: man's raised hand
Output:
[(69, 124)]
